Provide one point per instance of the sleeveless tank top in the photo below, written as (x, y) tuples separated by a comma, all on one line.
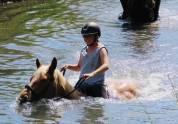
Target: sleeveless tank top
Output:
[(90, 62)]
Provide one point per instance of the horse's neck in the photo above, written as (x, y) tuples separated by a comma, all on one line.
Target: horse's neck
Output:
[(64, 86)]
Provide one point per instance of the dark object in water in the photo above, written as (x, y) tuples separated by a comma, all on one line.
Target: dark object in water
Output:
[(140, 10)]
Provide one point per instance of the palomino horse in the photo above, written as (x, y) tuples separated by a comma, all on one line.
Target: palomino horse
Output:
[(140, 10), (48, 82)]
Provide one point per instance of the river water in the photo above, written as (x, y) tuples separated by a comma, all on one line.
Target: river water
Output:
[(145, 55)]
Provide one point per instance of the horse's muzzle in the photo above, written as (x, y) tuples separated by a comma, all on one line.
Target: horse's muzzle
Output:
[(23, 99)]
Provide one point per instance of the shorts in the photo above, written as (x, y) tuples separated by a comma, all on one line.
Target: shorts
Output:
[(94, 90)]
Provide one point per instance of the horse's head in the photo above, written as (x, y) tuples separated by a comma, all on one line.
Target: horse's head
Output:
[(40, 82)]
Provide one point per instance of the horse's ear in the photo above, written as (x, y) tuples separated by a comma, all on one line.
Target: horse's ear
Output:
[(53, 66), (38, 64)]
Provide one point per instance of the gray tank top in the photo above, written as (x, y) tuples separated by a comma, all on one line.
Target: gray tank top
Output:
[(90, 62)]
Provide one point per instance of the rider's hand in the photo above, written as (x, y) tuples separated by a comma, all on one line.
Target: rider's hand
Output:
[(65, 67), (87, 75)]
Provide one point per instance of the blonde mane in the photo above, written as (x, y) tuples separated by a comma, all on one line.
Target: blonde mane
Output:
[(62, 84)]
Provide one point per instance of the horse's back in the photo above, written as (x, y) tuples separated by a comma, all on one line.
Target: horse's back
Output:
[(123, 90), (141, 10)]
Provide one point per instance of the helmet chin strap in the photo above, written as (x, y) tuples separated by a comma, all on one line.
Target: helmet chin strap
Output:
[(94, 41)]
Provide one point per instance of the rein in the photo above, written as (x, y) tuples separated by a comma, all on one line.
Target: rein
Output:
[(63, 70), (78, 84)]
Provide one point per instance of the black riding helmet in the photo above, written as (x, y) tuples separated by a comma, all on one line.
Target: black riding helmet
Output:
[(91, 28)]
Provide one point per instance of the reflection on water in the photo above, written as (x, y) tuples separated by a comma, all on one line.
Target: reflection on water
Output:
[(140, 37), (92, 114), (32, 17), (144, 54)]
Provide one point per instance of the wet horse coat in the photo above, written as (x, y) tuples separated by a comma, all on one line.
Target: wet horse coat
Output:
[(140, 10), (48, 82)]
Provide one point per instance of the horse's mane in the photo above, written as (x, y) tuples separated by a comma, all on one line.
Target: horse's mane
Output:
[(59, 79), (61, 83)]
